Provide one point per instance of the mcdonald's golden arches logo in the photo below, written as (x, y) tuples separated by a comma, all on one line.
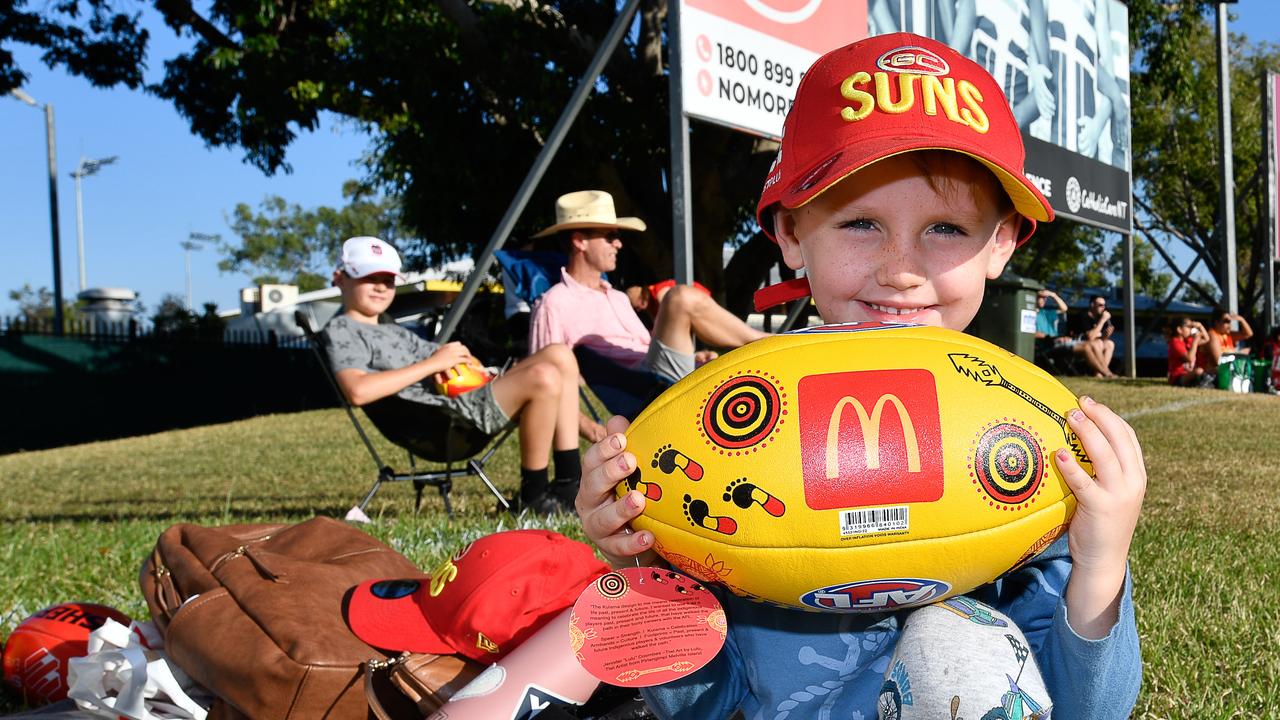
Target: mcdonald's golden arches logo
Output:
[(870, 438)]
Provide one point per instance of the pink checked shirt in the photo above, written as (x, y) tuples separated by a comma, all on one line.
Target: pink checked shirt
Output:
[(603, 320)]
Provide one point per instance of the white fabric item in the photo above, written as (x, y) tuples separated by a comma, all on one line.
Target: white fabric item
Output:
[(126, 675)]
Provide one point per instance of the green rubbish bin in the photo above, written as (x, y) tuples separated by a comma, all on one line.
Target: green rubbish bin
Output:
[(1235, 372), (1262, 376), (1008, 314)]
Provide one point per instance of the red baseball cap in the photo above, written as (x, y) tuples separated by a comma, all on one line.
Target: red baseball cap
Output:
[(888, 95), (482, 602)]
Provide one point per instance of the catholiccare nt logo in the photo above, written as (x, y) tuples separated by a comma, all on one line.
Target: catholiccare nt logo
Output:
[(1080, 197)]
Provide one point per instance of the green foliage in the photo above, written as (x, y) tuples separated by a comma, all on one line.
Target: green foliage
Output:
[(287, 243), (173, 319), (1063, 254), (36, 306), (104, 45), (1175, 149)]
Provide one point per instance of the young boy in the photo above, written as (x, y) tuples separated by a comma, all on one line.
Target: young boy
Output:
[(899, 190), (372, 361)]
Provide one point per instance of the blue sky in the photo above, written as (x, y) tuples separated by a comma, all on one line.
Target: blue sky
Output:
[(167, 184)]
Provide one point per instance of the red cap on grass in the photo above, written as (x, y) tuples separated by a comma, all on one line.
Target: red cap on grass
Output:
[(482, 602)]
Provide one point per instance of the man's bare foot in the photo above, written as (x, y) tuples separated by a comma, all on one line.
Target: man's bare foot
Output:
[(590, 430)]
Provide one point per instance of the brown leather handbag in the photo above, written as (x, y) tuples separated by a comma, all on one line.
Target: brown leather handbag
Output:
[(254, 613), (415, 685)]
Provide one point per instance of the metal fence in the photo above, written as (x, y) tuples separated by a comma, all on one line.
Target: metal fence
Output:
[(94, 329)]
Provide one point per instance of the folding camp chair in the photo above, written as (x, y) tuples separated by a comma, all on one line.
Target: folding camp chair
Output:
[(623, 391), (428, 432)]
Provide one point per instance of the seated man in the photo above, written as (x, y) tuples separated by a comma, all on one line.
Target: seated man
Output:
[(1222, 339), (372, 361), (1092, 332), (1050, 343), (584, 309)]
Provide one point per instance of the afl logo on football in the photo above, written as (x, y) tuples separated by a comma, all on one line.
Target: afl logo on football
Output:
[(912, 59), (884, 595)]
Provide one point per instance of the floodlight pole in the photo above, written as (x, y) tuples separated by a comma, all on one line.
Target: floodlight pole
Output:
[(1271, 235), (548, 152), (1226, 200), (86, 168), (53, 206)]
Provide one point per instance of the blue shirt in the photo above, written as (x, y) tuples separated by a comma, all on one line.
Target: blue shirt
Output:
[(778, 663), (1047, 322)]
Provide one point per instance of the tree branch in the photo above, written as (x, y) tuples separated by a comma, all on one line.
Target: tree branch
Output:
[(179, 14)]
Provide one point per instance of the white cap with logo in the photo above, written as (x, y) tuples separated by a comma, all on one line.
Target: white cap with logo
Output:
[(363, 256)]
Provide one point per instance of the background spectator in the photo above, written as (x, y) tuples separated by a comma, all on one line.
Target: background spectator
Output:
[(1222, 339), (1185, 336), (1092, 331)]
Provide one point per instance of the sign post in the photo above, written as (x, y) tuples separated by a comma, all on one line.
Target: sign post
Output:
[(738, 64), (681, 212)]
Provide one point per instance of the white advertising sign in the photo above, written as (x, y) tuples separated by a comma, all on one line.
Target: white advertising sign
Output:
[(741, 60)]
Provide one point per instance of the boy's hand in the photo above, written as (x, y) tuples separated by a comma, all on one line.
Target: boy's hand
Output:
[(1106, 513), (453, 354), (604, 517)]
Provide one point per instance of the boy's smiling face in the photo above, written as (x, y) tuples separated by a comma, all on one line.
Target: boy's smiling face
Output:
[(369, 296), (892, 243)]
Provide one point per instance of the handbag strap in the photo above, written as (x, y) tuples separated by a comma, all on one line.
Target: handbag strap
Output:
[(386, 702)]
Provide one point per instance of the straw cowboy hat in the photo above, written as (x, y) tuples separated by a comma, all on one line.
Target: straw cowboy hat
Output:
[(589, 209)]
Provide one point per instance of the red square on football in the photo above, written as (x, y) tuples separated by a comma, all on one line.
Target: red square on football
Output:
[(870, 438)]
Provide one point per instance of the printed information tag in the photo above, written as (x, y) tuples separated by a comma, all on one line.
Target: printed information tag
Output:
[(638, 627)]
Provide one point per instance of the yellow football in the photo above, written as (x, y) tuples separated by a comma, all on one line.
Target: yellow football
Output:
[(855, 468)]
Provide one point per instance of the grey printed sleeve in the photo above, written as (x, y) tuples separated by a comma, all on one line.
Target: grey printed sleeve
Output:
[(345, 347)]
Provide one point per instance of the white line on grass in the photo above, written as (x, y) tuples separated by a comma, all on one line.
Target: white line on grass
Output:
[(1171, 407)]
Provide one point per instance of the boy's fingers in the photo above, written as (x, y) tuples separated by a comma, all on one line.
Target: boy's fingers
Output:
[(1119, 436), (1081, 483), (603, 451), (607, 525), (1095, 443), (628, 550), (597, 484), (617, 424)]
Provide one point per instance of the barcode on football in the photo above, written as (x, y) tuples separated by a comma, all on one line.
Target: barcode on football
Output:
[(874, 520)]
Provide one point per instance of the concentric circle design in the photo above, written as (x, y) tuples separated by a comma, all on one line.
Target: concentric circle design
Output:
[(1009, 463), (741, 412), (612, 586)]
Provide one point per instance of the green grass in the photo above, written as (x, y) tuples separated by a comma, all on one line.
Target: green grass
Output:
[(76, 523)]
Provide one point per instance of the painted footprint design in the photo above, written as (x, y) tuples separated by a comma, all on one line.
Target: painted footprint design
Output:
[(745, 494), (699, 515), (668, 460), (653, 491)]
